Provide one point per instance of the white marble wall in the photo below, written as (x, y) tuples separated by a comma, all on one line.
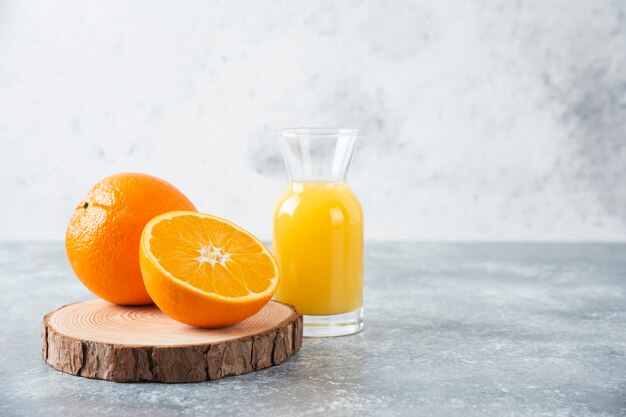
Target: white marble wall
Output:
[(480, 120)]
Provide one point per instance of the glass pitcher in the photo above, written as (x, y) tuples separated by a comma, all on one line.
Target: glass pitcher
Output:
[(318, 232)]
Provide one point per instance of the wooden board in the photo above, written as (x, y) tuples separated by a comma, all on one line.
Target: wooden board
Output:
[(96, 339)]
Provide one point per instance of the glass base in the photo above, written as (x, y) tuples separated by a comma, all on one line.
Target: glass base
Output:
[(334, 325)]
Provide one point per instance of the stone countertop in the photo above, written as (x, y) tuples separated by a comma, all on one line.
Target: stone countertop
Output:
[(474, 329)]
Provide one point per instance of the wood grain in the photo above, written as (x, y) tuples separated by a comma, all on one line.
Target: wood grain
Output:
[(96, 339)]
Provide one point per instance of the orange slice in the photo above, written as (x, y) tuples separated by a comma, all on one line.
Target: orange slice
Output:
[(205, 271)]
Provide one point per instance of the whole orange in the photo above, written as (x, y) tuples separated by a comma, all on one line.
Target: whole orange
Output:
[(102, 239)]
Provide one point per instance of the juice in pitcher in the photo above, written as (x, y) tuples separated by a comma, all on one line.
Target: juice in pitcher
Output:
[(318, 233)]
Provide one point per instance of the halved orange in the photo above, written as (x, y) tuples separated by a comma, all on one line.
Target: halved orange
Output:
[(205, 271)]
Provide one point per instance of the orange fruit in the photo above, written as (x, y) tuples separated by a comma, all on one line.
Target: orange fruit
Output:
[(205, 271), (102, 239)]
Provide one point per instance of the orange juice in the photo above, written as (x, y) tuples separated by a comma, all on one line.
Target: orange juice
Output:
[(318, 241)]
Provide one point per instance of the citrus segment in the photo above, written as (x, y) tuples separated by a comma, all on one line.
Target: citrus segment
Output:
[(205, 271)]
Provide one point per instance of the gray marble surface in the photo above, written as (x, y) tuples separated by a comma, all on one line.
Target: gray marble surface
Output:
[(451, 330)]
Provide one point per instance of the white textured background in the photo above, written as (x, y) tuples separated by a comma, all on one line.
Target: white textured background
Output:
[(480, 120)]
